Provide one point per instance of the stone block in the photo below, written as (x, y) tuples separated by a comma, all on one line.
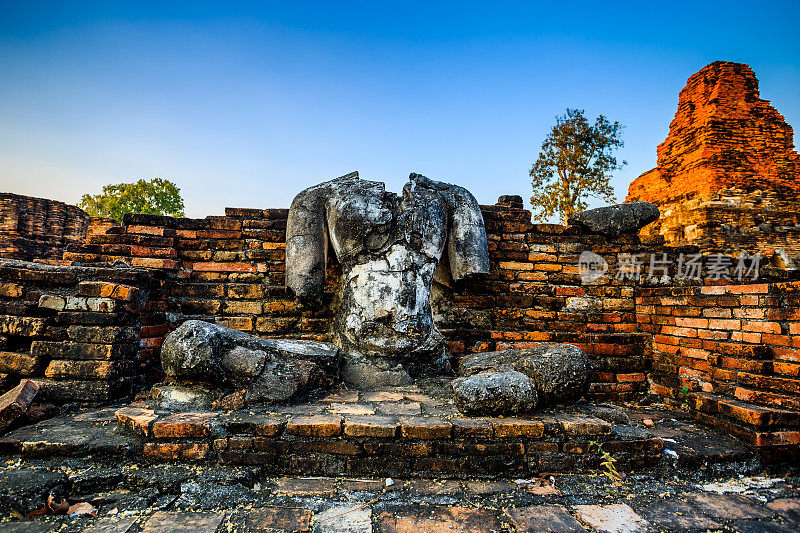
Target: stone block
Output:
[(15, 402)]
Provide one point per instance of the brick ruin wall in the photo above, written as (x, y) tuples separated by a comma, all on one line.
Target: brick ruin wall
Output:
[(729, 353), (230, 270), (73, 330), (728, 177), (36, 228)]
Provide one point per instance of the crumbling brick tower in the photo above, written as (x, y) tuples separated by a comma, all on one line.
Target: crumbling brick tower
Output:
[(728, 177)]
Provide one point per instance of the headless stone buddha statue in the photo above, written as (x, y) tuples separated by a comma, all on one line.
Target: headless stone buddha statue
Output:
[(389, 247)]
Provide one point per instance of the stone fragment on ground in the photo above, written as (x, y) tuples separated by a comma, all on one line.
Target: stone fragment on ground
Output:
[(495, 392), (15, 402), (558, 373), (227, 361)]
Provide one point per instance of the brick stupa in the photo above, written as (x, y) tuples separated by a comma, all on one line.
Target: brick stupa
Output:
[(728, 177)]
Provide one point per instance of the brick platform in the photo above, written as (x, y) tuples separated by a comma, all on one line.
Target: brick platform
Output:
[(393, 432)]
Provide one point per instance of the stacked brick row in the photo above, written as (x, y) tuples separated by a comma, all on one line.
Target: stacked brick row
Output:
[(535, 295), (36, 228), (731, 354), (72, 330), (229, 270)]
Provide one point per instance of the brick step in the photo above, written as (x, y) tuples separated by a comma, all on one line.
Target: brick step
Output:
[(770, 399), (21, 364), (746, 413), (386, 444)]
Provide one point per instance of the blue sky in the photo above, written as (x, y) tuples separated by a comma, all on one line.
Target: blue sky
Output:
[(244, 106)]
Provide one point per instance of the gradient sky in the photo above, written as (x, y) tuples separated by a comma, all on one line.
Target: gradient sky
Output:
[(244, 106)]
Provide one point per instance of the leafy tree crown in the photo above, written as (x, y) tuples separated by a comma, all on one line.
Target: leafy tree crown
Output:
[(576, 162), (155, 197)]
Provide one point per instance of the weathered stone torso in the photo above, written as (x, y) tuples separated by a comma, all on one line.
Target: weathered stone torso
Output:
[(389, 247)]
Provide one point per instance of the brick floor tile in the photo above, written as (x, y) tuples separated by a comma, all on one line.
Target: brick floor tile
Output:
[(517, 427), (544, 519), (370, 426), (382, 396), (315, 425), (301, 487), (417, 427), (137, 419), (584, 426), (424, 399), (615, 518), (472, 427), (341, 395), (111, 525), (270, 520), (439, 520), (177, 522), (788, 508), (352, 409), (490, 487), (364, 485), (729, 506), (396, 408), (757, 526), (433, 487), (175, 451), (677, 514), (184, 425), (343, 519), (258, 425)]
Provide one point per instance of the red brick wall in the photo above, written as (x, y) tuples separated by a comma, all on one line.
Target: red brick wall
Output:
[(73, 330), (230, 270), (729, 353), (37, 228)]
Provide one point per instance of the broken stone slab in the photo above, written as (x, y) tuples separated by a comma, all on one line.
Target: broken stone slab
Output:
[(224, 360), (559, 373), (616, 220), (15, 402), (495, 392)]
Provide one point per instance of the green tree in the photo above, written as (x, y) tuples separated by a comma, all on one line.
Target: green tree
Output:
[(575, 163), (156, 197)]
